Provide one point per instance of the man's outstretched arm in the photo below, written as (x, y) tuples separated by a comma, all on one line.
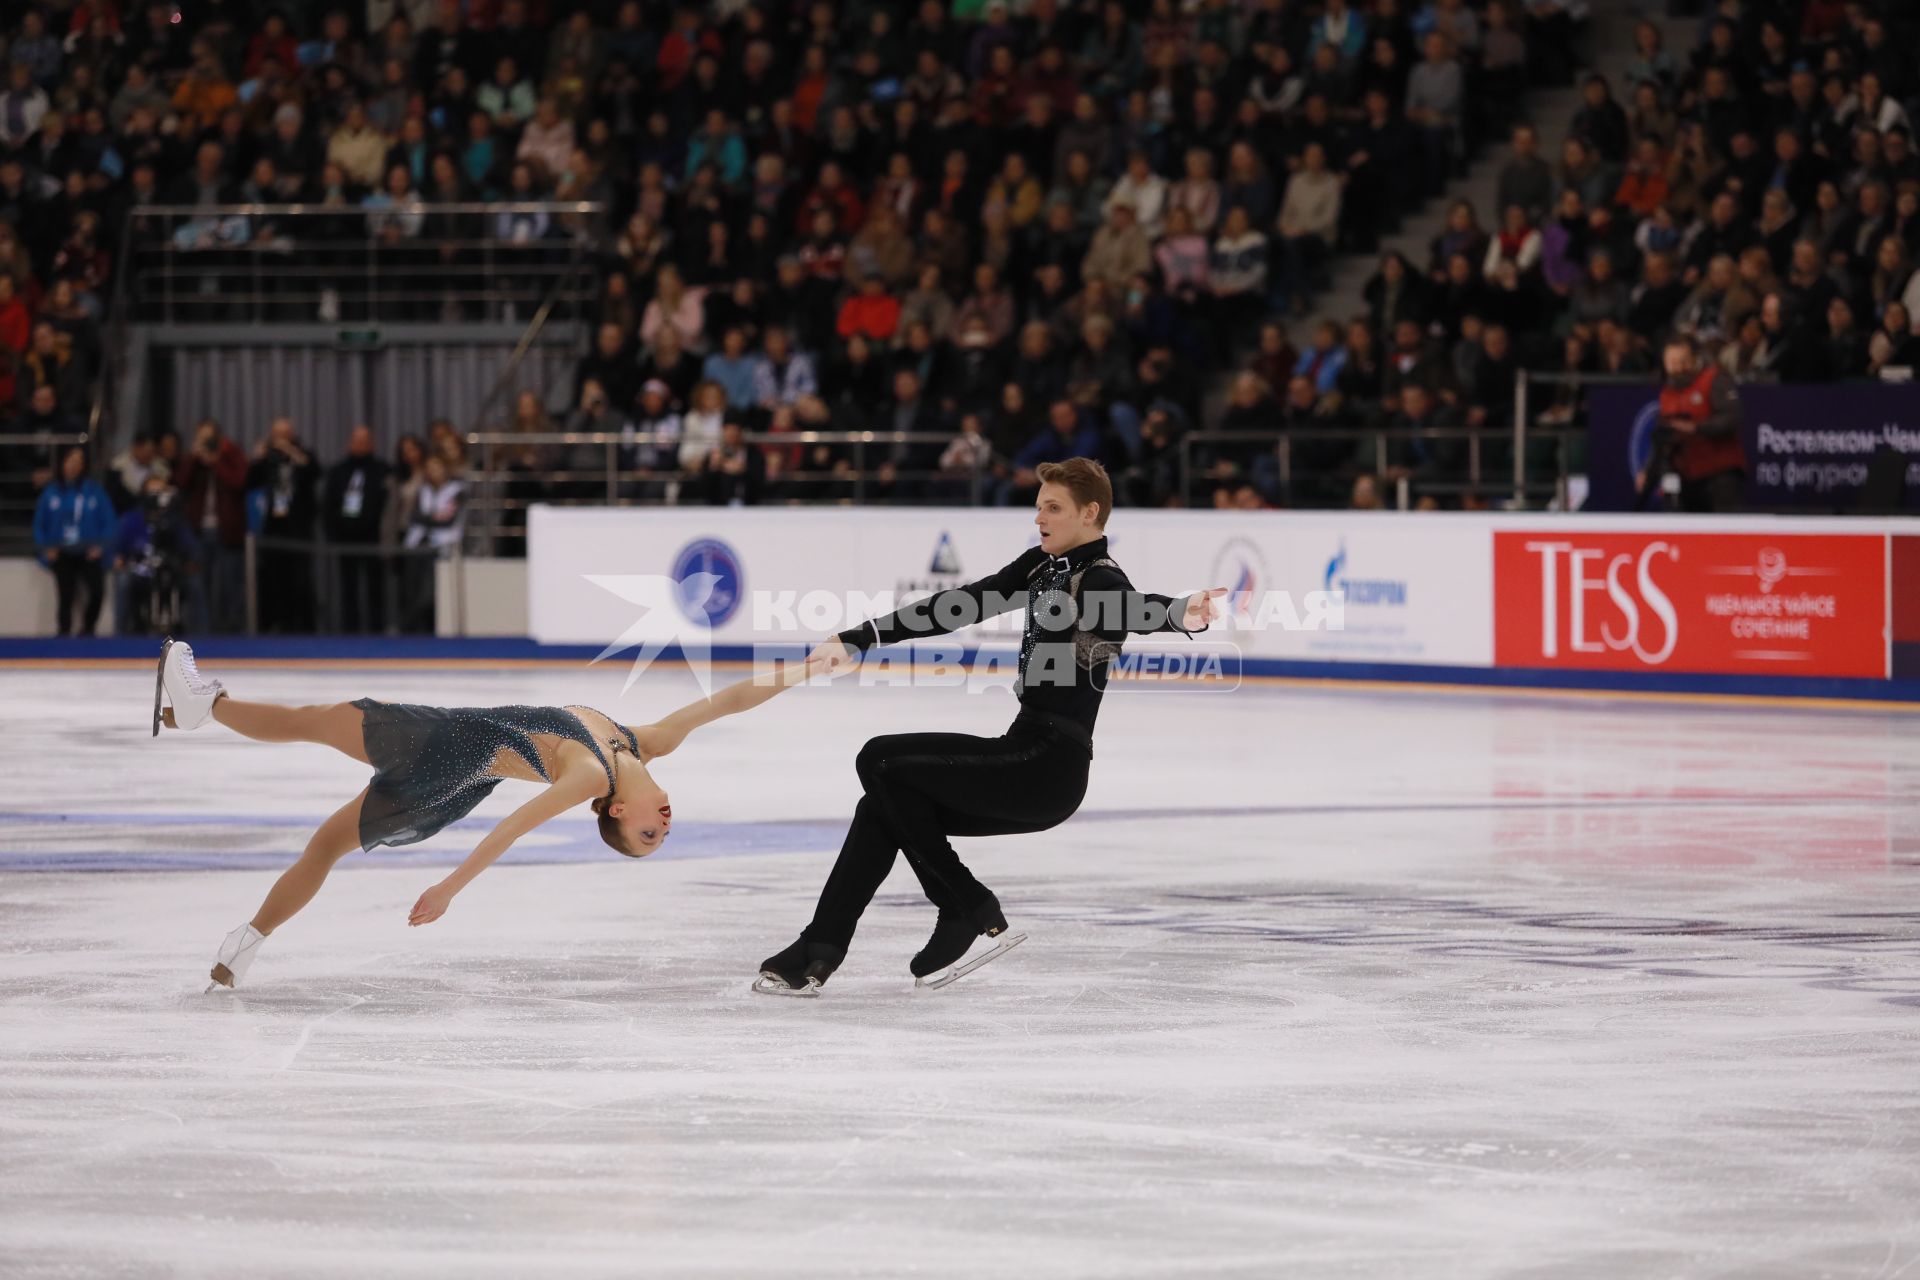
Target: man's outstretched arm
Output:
[(1111, 606), (948, 610)]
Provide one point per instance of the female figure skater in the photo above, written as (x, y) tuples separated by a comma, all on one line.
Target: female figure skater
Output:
[(432, 765)]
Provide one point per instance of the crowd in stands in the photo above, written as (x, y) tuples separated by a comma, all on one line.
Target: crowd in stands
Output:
[(1029, 231), (925, 201)]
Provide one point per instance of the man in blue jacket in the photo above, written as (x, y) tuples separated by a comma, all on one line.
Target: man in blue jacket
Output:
[(72, 529), (1068, 434)]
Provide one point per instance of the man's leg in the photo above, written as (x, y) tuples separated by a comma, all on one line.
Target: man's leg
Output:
[(350, 574), (922, 788), (872, 840), (200, 619), (373, 581), (123, 606), (935, 785), (229, 597), (1726, 491), (66, 576), (93, 576), (866, 856)]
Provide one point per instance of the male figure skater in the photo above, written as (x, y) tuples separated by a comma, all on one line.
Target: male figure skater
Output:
[(922, 788)]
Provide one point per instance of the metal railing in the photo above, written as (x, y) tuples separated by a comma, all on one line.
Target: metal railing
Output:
[(259, 263), (1570, 398), (291, 586), (1459, 462), (344, 588), (510, 471)]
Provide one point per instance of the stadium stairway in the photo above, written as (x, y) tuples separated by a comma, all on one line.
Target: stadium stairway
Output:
[(1610, 46)]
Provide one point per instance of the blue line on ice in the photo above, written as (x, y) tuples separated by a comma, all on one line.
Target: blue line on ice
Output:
[(573, 841)]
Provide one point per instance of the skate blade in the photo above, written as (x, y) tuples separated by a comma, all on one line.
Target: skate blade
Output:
[(222, 977), (768, 985), (160, 683), (935, 981)]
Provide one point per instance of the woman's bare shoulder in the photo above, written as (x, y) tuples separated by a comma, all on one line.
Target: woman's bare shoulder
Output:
[(575, 767)]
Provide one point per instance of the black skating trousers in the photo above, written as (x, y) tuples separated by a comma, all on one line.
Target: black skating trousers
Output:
[(922, 788)]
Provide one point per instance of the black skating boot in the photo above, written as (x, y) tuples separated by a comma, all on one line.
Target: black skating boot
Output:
[(801, 970), (953, 936)]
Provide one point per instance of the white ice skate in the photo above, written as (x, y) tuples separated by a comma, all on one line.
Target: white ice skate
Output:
[(954, 973), (189, 695), (236, 954)]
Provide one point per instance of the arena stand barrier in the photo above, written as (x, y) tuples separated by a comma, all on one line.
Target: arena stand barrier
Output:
[(442, 261), (1315, 467), (1739, 604), (513, 471)]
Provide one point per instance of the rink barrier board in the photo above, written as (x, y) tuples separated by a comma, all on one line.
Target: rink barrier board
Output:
[(428, 655), (1780, 599), (1424, 599)]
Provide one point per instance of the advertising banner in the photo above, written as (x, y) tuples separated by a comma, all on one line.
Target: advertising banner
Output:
[(728, 576), (1807, 446), (1398, 592), (1775, 603), (1740, 596), (1418, 592)]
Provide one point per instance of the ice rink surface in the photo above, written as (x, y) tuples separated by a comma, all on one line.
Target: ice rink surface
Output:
[(1320, 983)]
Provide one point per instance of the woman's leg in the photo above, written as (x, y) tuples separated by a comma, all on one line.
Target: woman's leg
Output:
[(336, 724), (337, 837)]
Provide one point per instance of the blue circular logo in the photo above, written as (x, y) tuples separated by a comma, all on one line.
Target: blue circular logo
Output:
[(708, 583), (1640, 439)]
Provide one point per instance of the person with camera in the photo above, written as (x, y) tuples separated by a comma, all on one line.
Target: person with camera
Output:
[(353, 503), (735, 474), (1697, 437), (213, 488), (596, 415), (156, 583), (73, 526), (436, 524), (129, 471), (289, 476)]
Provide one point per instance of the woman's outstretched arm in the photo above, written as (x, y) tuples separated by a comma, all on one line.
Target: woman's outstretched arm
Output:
[(658, 739), (566, 791)]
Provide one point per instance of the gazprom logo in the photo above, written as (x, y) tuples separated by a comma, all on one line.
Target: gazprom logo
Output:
[(1388, 593)]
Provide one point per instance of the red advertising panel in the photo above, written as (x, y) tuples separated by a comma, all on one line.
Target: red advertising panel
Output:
[(1905, 568), (1737, 603)]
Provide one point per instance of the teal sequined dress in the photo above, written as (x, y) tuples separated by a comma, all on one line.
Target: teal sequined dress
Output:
[(432, 765)]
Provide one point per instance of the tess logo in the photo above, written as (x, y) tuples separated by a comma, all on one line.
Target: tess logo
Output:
[(1644, 621), (1773, 603)]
